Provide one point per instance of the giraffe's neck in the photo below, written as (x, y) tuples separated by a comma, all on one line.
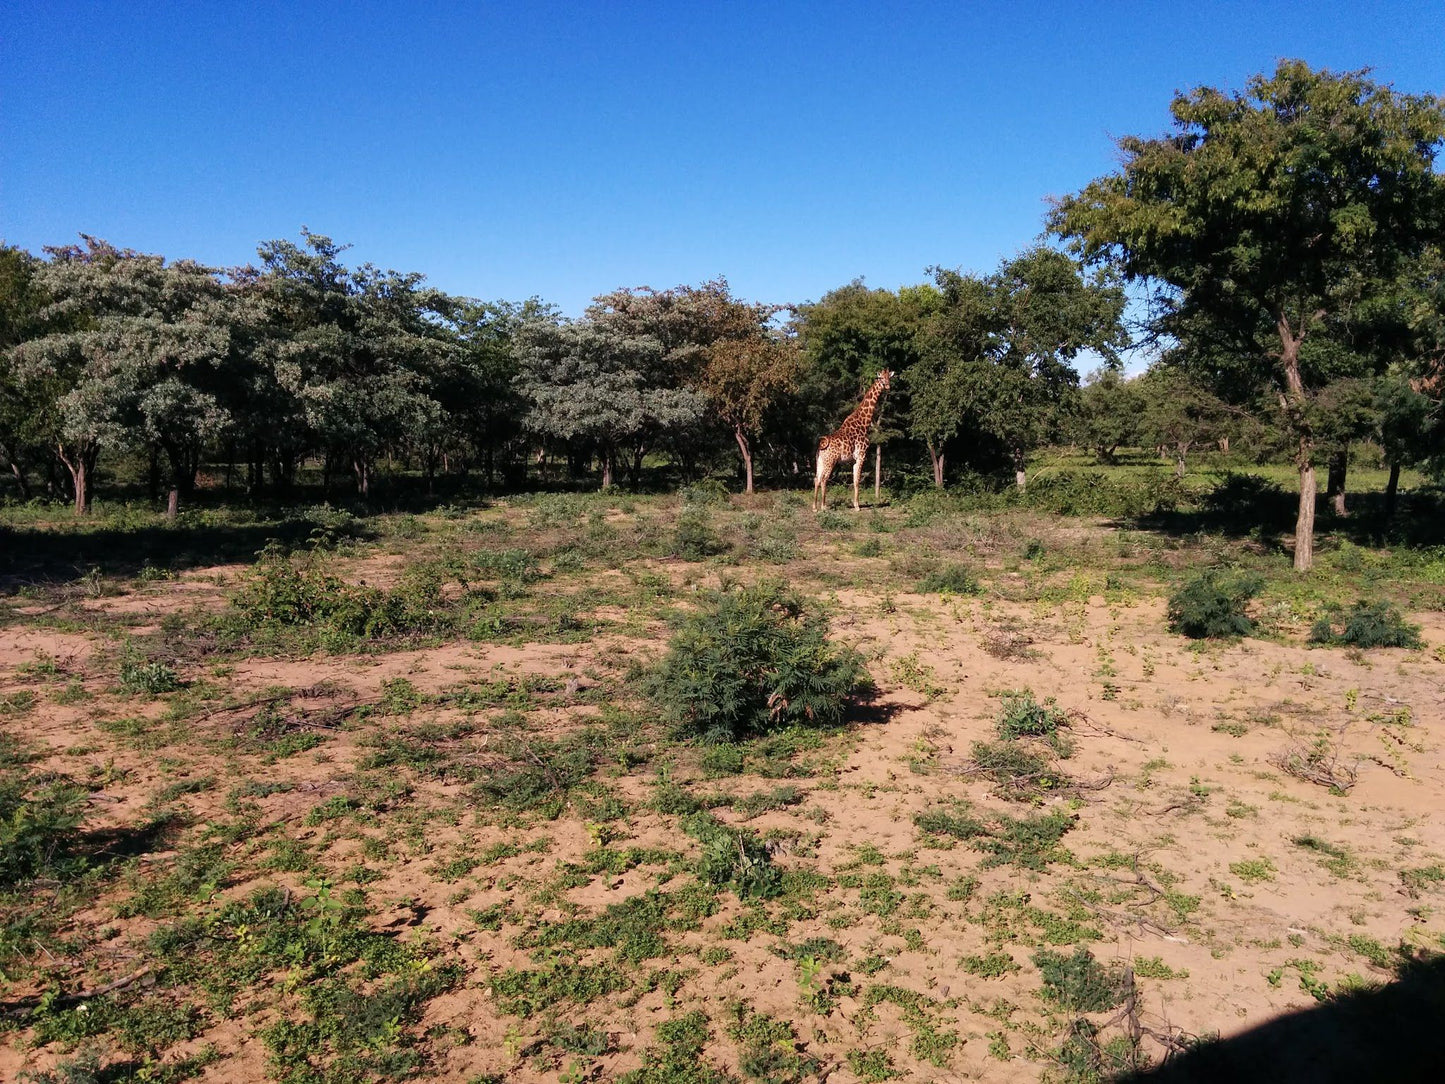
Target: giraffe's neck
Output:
[(864, 414)]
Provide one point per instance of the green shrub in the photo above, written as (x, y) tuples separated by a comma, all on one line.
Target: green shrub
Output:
[(733, 857), (950, 580), (693, 538), (753, 660), (283, 592), (39, 815), (1366, 624), (1021, 716), (148, 677), (1079, 982), (1213, 606)]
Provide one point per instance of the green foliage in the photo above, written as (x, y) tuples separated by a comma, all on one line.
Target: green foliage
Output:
[(951, 580), (152, 678), (39, 815), (1213, 606), (1079, 982), (994, 965), (677, 1057), (752, 660), (693, 539), (1030, 842), (282, 592), (733, 858), (1019, 772), (1367, 624), (1021, 716)]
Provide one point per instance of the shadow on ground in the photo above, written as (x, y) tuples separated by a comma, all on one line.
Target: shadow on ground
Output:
[(31, 556), (1394, 1033)]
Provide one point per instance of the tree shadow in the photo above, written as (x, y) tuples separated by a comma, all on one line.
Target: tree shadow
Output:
[(37, 555), (1246, 505), (1389, 1033)]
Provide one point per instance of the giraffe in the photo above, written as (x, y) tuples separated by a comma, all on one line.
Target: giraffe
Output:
[(849, 442)]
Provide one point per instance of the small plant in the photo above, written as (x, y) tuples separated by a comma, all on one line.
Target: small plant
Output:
[(1212, 606), (1366, 624), (1253, 871), (1079, 982), (1021, 716), (951, 579), (152, 678), (750, 661)]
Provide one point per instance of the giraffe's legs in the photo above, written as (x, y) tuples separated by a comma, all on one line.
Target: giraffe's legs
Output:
[(857, 477), (820, 482)]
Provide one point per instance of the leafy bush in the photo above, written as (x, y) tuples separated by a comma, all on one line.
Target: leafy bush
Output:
[(1019, 772), (1021, 716), (733, 857), (693, 538), (38, 818), (950, 580), (1213, 606), (753, 660), (283, 592), (1366, 624), (148, 677), (1079, 982)]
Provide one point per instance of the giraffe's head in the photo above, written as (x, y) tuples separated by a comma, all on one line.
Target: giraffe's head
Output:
[(883, 378)]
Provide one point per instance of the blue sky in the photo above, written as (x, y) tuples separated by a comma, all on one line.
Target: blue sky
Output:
[(560, 150)]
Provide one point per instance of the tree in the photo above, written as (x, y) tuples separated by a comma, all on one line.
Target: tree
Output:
[(1267, 219), (134, 346), (847, 338), (590, 383), (26, 416), (1177, 412), (1108, 413), (953, 346), (1408, 428), (998, 355), (742, 379), (358, 352)]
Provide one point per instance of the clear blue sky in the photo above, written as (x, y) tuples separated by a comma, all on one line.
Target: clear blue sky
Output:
[(561, 150)]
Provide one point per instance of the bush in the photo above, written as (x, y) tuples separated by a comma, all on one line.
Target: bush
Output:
[(148, 677), (1021, 716), (733, 857), (693, 538), (753, 660), (282, 592), (39, 815), (950, 580), (1367, 624), (1213, 606)]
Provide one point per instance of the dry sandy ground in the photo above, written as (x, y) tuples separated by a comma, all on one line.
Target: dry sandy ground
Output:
[(1179, 745)]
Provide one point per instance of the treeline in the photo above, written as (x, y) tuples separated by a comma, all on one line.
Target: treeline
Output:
[(1284, 245)]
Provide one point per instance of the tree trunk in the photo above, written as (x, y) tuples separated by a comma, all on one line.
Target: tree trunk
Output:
[(747, 456), (1293, 402), (1224, 445), (173, 502), (1020, 462), (937, 457), (1335, 481), (20, 479), (363, 476), (80, 469), (1181, 454), (607, 468), (877, 473), (1392, 489)]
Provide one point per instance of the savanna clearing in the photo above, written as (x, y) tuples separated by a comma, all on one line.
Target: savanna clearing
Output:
[(402, 796)]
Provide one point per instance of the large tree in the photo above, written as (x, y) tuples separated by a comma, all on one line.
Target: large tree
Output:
[(1267, 219), (134, 347), (999, 354)]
